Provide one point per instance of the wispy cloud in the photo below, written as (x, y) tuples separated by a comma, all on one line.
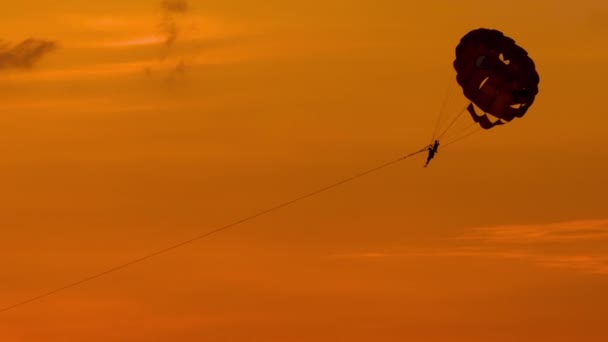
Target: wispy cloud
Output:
[(569, 245), (110, 31), (171, 28), (542, 233), (88, 72), (219, 53), (25, 54), (594, 263), (178, 71), (469, 251), (138, 41), (361, 255), (597, 264), (169, 24)]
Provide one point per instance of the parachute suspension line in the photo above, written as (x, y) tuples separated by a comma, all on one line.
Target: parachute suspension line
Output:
[(211, 232), (450, 142), (463, 127), (444, 104), (453, 121)]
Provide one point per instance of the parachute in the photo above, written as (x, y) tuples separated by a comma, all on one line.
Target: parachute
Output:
[(496, 75), (499, 82)]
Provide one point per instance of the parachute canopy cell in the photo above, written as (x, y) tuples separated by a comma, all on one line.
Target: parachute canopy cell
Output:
[(496, 75)]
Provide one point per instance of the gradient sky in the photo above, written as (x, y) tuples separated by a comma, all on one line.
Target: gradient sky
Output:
[(143, 126)]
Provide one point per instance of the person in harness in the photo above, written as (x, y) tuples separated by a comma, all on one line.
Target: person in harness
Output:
[(432, 151)]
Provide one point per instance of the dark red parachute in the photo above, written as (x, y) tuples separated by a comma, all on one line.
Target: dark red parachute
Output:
[(496, 75)]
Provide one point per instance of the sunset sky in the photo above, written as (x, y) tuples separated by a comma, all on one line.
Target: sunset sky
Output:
[(129, 126)]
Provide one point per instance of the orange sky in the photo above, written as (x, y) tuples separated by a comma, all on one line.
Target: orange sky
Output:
[(120, 142)]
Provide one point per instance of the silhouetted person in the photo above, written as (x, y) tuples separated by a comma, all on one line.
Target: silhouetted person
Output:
[(432, 150)]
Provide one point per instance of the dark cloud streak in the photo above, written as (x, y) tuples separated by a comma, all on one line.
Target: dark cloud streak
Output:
[(170, 28), (169, 23), (25, 54), (175, 6)]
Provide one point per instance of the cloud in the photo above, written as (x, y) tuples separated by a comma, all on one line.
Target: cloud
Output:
[(176, 72), (590, 263), (169, 24), (571, 245), (567, 245), (171, 29), (469, 251), (563, 232), (133, 42), (363, 255), (175, 6), (25, 54), (596, 264)]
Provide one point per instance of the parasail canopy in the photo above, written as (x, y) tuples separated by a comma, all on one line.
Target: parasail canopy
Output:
[(496, 75)]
